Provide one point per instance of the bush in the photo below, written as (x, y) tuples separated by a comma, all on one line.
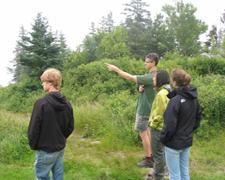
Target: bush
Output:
[(20, 97), (93, 81), (212, 98), (196, 66), (205, 65)]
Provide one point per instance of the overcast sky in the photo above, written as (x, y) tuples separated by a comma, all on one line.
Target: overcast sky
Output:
[(73, 18)]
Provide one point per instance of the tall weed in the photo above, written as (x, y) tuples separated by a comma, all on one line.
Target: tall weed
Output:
[(13, 138)]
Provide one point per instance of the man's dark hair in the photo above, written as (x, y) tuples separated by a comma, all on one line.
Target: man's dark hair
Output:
[(162, 78), (153, 56)]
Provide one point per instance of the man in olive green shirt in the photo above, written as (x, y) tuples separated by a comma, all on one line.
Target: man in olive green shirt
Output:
[(145, 83)]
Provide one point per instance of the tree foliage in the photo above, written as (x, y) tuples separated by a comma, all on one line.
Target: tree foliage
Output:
[(107, 23), (160, 39), (185, 26), (39, 49), (114, 44), (18, 69), (137, 22), (212, 42)]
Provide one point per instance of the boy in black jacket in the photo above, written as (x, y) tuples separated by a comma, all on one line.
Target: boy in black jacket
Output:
[(181, 118), (50, 125)]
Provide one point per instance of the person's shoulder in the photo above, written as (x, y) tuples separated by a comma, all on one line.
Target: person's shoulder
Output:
[(41, 101), (147, 75), (176, 99), (163, 91), (68, 102)]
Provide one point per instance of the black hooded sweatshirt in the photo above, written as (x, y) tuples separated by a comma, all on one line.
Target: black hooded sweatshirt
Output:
[(51, 123), (181, 118)]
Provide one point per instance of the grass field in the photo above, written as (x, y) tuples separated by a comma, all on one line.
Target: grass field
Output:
[(94, 159)]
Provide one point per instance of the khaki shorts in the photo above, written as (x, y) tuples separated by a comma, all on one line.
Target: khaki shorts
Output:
[(141, 123)]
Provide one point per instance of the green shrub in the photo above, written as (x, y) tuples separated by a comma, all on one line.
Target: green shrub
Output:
[(212, 97), (196, 66), (20, 97), (203, 65), (92, 81)]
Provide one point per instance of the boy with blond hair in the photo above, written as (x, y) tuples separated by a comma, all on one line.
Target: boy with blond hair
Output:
[(50, 125)]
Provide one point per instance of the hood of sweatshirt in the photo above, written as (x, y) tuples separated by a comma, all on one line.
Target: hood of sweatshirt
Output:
[(57, 100), (187, 92)]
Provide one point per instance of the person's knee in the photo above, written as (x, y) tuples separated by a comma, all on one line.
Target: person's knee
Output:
[(143, 134)]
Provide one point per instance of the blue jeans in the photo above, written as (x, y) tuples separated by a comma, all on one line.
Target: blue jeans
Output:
[(46, 162), (177, 162)]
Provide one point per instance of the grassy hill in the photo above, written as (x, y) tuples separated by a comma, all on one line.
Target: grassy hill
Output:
[(98, 159), (104, 145)]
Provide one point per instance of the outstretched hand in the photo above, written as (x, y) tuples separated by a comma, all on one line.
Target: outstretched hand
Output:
[(111, 67), (121, 73)]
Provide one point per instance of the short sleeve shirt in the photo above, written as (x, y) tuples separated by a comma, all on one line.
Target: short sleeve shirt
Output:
[(146, 98)]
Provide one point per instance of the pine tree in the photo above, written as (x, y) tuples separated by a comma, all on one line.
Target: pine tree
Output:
[(18, 70), (107, 23), (137, 23), (40, 49), (212, 42)]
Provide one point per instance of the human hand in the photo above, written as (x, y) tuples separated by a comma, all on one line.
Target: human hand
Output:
[(111, 67), (141, 88)]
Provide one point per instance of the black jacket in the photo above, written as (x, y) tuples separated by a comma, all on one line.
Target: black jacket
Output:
[(51, 123), (181, 118)]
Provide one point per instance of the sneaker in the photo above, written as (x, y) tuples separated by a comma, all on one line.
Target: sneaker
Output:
[(150, 175), (166, 174), (146, 163)]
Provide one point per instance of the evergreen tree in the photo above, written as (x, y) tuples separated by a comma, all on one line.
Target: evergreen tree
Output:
[(40, 49), (107, 23), (90, 46), (221, 37), (92, 28), (221, 31), (212, 43), (18, 69), (222, 20), (136, 11), (137, 23)]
